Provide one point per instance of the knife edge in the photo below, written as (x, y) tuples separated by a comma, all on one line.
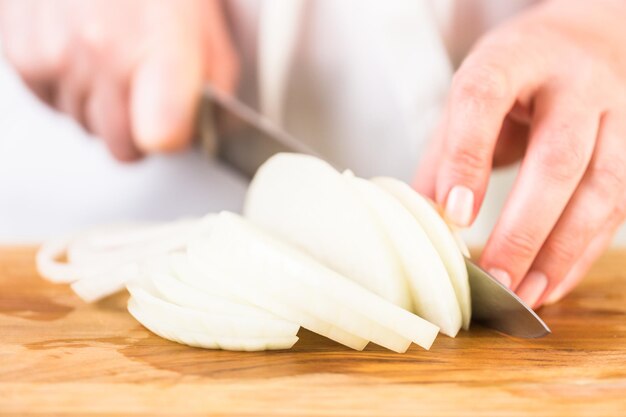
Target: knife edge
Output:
[(497, 307)]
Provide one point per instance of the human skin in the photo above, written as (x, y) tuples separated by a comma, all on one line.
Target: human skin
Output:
[(548, 88), (130, 72)]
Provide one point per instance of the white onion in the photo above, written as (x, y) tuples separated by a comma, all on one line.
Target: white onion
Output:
[(346, 258), (298, 281), (177, 292), (261, 299), (101, 261), (204, 339), (172, 315), (449, 246), (432, 292), (307, 203)]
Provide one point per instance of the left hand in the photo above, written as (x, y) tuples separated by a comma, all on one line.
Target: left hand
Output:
[(548, 87), (129, 72)]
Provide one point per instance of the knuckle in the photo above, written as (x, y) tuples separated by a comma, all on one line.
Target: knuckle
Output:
[(518, 245), (480, 82), (608, 175), (467, 160), (55, 58), (562, 250), (468, 164), (560, 154)]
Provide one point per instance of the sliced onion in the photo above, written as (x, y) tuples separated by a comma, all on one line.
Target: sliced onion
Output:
[(217, 324), (261, 299), (206, 340), (432, 292), (449, 246), (343, 257), (101, 261), (283, 272), (178, 292), (305, 202), (96, 287)]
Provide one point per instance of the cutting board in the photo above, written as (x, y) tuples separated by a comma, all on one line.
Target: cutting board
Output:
[(60, 356)]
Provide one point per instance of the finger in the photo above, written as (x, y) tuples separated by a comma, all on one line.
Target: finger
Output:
[(561, 144), (221, 63), (597, 200), (33, 39), (19, 46), (496, 75), (36, 50), (70, 99), (165, 91), (582, 266), (107, 116), (72, 89), (19, 41), (53, 29), (510, 147)]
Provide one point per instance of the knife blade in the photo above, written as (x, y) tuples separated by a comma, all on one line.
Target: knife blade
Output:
[(244, 139), (499, 308), (239, 136)]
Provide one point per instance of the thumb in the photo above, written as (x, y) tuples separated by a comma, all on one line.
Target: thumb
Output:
[(164, 96)]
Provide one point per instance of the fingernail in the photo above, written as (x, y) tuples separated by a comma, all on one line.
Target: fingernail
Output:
[(459, 205), (532, 287), (502, 276)]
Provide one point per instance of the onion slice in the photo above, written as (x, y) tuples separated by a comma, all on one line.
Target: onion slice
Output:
[(204, 340), (443, 239), (432, 292), (178, 292), (292, 278), (260, 299), (216, 324), (100, 261), (305, 202)]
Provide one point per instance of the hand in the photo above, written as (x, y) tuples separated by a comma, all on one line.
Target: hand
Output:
[(548, 87), (130, 72)]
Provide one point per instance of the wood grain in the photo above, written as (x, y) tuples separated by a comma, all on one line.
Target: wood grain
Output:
[(59, 356)]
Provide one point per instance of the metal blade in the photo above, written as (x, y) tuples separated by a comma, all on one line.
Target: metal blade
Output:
[(240, 136), (497, 307)]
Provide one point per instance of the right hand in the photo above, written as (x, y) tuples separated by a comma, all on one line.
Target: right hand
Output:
[(129, 72)]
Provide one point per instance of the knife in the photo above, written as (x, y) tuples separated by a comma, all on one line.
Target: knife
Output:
[(239, 136), (244, 139), (499, 308)]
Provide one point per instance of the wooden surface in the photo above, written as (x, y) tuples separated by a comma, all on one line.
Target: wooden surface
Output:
[(59, 356)]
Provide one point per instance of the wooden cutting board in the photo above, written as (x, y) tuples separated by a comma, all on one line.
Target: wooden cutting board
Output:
[(60, 356)]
